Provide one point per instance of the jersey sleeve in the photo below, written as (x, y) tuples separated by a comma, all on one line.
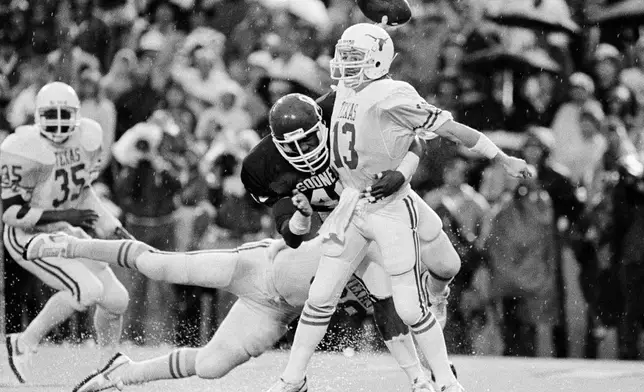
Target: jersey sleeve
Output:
[(20, 172), (254, 179), (407, 109)]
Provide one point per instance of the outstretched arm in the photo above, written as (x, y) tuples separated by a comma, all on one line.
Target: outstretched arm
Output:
[(481, 144)]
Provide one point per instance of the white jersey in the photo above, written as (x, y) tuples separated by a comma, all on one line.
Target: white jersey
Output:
[(372, 130), (48, 175)]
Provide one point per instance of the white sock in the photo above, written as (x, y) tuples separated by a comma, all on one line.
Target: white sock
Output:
[(58, 309), (430, 339), (310, 331), (403, 349), (178, 364), (108, 328), (116, 252)]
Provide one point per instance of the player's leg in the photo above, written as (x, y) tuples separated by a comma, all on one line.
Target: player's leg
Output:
[(438, 255), (78, 289), (400, 247), (431, 252), (393, 330), (108, 317), (247, 331), (338, 262), (211, 268)]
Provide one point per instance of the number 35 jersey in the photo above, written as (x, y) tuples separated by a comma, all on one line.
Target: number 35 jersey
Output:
[(372, 129), (48, 175)]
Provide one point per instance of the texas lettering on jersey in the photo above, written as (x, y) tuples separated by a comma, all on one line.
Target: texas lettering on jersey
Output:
[(50, 175)]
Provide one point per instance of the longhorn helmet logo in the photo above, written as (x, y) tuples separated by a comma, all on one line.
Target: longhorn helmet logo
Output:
[(381, 41)]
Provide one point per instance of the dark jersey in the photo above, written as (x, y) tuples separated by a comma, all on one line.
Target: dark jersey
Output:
[(270, 178)]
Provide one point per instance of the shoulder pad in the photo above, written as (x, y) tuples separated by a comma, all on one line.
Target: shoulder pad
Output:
[(27, 144), (91, 134)]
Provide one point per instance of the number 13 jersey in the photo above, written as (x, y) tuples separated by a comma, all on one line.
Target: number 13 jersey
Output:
[(372, 129), (48, 175)]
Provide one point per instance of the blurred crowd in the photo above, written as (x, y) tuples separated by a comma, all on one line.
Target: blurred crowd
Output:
[(182, 89)]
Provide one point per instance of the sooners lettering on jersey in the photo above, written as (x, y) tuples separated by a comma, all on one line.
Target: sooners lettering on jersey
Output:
[(268, 177)]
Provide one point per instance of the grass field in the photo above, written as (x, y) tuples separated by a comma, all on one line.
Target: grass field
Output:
[(58, 369)]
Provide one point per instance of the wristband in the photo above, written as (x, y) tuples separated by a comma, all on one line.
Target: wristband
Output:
[(299, 224), (408, 165), (485, 147)]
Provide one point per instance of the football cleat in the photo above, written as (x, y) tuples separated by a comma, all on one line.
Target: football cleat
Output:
[(421, 384), (105, 378), (283, 386), (453, 387), (438, 306), (19, 362), (47, 245)]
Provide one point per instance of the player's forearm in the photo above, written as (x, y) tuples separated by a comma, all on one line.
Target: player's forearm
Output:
[(292, 240), (471, 138), (26, 217)]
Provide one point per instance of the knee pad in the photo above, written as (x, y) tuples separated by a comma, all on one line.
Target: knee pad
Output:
[(323, 298), (440, 257), (387, 321), (216, 360), (90, 293)]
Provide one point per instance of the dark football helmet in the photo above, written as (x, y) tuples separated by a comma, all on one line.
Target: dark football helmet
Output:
[(299, 133)]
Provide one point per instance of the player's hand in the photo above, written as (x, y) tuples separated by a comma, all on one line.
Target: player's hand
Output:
[(79, 218), (515, 167), (387, 183), (302, 203)]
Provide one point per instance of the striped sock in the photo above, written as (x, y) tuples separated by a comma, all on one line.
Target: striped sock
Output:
[(116, 252), (178, 364), (430, 339), (313, 324)]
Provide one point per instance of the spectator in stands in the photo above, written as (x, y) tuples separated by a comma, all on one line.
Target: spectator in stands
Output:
[(536, 103), (33, 75), (633, 77), (201, 70), (137, 104), (94, 36), (607, 68), (98, 108), (522, 264), (69, 59), (175, 105), (120, 77), (471, 208), (8, 60)]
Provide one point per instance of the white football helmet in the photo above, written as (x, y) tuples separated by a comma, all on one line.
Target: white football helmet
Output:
[(365, 51), (57, 111)]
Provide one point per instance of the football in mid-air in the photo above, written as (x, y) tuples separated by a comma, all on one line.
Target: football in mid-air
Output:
[(398, 12)]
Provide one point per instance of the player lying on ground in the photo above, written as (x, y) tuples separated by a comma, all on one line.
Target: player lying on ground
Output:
[(270, 279), (47, 169), (375, 119)]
